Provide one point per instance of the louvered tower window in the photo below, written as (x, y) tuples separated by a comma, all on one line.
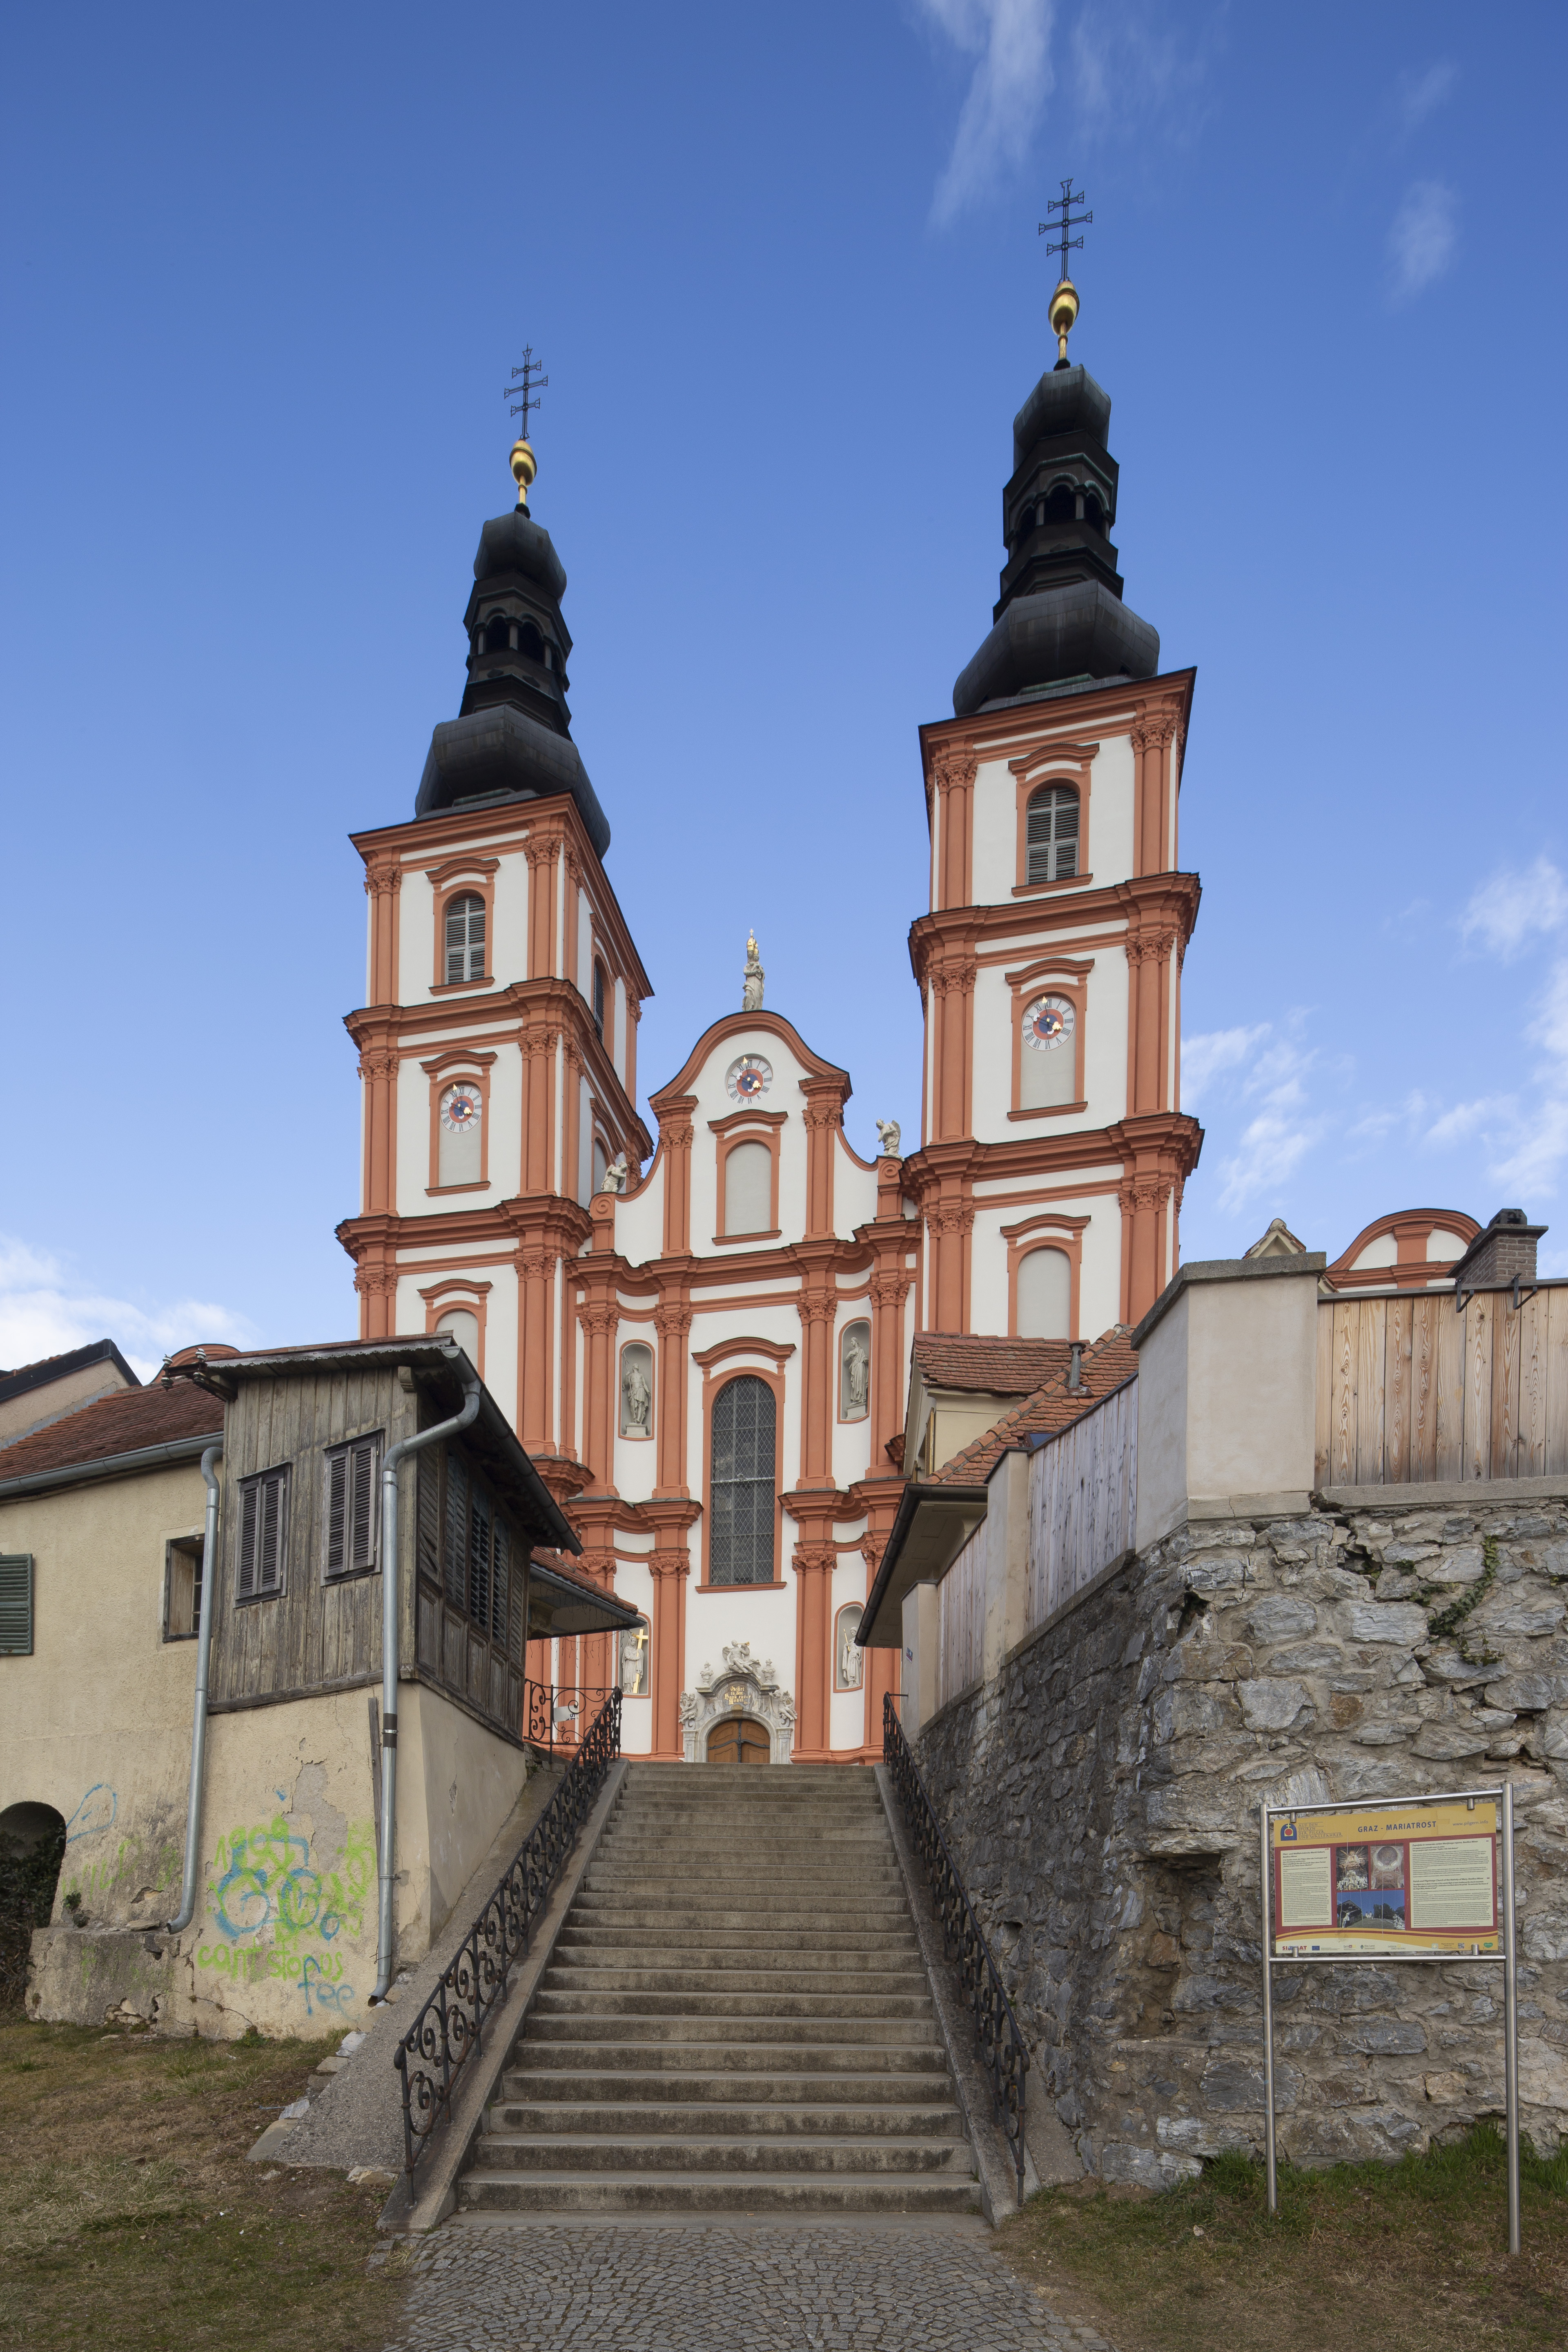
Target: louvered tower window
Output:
[(599, 1001), (352, 1518), (466, 939), (740, 1535), (1052, 833), (263, 1535)]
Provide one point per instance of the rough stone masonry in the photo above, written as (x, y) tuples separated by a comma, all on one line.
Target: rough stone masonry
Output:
[(1101, 1795)]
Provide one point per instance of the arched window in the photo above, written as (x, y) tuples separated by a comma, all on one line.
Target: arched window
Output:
[(1093, 513), (1061, 504), (465, 938), (599, 999), (460, 1323), (741, 1504), (1044, 1295), (1052, 833), (749, 1188), (498, 635), (530, 642)]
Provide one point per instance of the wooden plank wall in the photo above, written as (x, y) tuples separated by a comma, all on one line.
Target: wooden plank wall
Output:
[(1083, 1501), (961, 1621), (1411, 1391), (312, 1633)]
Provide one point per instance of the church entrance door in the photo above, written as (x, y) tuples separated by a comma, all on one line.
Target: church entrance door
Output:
[(738, 1741)]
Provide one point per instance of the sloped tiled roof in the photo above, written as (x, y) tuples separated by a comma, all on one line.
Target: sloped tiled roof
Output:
[(123, 1423), (1105, 1365), (24, 1378), (953, 1359)]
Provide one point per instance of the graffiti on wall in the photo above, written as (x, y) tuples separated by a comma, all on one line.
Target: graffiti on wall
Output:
[(96, 1866), (280, 1908)]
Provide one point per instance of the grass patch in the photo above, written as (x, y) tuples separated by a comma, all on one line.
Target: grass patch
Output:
[(1409, 2256), (132, 2220)]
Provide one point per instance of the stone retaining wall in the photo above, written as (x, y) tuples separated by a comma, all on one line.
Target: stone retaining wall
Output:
[(1101, 1795)]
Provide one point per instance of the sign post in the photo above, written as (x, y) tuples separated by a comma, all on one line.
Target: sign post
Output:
[(1425, 1878)]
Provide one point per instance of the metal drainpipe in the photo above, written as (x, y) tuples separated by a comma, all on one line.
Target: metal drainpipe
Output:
[(199, 1727), (390, 1632)]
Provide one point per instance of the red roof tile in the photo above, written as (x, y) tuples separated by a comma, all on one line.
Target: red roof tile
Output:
[(950, 1359), (121, 1423), (1106, 1364)]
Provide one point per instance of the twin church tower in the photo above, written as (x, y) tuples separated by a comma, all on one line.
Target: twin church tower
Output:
[(704, 1339)]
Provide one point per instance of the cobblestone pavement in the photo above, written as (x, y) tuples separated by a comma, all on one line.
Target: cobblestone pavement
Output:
[(712, 2288)]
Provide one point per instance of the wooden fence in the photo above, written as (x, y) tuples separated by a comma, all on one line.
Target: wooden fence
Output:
[(1409, 1389), (1083, 1501), (961, 1621)]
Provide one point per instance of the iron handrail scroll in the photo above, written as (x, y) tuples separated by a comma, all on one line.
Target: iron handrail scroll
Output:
[(447, 2030), (1002, 2046)]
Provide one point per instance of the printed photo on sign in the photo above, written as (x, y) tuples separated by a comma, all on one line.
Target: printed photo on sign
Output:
[(1351, 1870), (1372, 1912), (1389, 1866)]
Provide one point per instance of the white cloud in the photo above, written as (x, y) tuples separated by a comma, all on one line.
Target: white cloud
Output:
[(1421, 94), (47, 1308), (1488, 1111), (1269, 1149), (1505, 912), (1532, 1160), (1127, 63), (1013, 79), (1203, 1057), (1421, 241), (1549, 1026)]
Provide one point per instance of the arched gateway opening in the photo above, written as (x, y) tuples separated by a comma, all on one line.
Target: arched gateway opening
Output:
[(739, 1740)]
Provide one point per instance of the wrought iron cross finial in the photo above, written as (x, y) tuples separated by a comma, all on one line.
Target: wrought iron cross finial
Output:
[(1069, 219), (531, 376)]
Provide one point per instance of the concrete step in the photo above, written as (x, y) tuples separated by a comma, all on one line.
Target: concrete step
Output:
[(698, 2086), (631, 2192), (693, 2000), (671, 1939), (756, 1987), (700, 2024), (689, 1961), (626, 2119), (700, 2055), (679, 2152), (597, 1893), (757, 1918)]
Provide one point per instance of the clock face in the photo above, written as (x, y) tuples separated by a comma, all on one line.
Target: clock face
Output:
[(749, 1078), (1049, 1022), (460, 1108)]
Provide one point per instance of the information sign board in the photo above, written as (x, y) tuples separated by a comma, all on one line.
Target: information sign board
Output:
[(1409, 1880)]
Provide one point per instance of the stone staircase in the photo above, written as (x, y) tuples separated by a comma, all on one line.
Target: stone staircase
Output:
[(736, 2018)]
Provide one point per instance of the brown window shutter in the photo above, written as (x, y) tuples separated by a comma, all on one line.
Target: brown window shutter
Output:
[(429, 1544), (337, 1511), (15, 1605), (249, 1510), (364, 1460), (456, 1545)]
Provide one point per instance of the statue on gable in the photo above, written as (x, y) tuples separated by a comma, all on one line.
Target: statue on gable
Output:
[(752, 989), (890, 1137), (614, 1176)]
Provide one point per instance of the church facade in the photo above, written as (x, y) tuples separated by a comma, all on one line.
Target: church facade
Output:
[(703, 1334)]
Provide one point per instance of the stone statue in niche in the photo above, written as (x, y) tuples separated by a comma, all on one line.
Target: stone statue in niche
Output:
[(752, 987), (890, 1137), (851, 1657), (633, 1663), (636, 1393), (856, 1391), (616, 1175)]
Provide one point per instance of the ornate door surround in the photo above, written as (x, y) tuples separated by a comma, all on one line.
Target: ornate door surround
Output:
[(746, 1685)]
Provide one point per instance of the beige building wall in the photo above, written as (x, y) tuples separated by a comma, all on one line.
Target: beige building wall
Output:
[(97, 1724)]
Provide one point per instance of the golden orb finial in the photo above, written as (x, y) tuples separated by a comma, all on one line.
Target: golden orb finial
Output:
[(526, 465), (1064, 311)]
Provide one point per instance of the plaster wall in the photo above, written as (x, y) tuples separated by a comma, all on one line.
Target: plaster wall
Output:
[(1226, 1379), (97, 1722)]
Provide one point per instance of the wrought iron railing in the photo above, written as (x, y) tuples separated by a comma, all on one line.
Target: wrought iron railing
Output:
[(555, 1717), (447, 2030), (1002, 2048)]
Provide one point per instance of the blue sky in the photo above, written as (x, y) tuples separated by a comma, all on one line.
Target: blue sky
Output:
[(264, 276)]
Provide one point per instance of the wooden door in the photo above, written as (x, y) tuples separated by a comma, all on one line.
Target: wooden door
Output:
[(742, 1740)]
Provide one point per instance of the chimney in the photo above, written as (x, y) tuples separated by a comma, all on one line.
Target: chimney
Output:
[(1500, 1256), (1075, 1367)]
